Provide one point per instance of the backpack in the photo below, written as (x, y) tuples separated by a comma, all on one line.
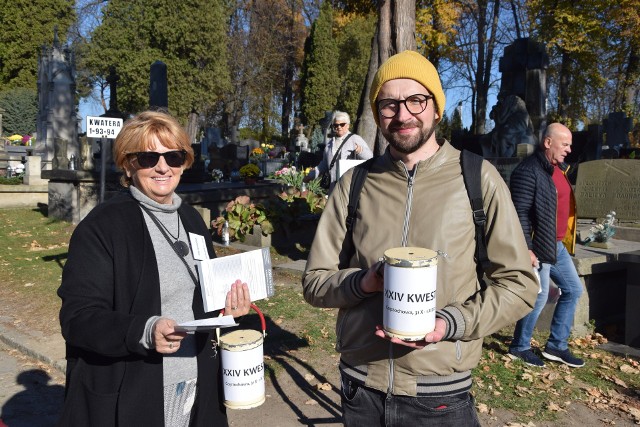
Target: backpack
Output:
[(471, 164)]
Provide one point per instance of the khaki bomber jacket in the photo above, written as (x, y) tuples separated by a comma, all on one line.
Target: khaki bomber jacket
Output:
[(430, 210)]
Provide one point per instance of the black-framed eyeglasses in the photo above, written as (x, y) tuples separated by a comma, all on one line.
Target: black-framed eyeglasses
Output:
[(339, 125), (148, 159), (415, 104)]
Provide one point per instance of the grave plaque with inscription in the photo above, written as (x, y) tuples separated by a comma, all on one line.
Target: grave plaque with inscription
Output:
[(606, 185)]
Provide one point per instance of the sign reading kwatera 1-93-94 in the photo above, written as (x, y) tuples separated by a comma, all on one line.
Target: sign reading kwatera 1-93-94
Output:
[(103, 127)]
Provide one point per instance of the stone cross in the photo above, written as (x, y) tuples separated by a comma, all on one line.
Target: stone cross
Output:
[(113, 79)]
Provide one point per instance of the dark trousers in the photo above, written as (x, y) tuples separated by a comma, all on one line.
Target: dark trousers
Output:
[(364, 407)]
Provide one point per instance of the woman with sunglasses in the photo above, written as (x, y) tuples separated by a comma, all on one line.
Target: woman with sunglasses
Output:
[(342, 145), (129, 279)]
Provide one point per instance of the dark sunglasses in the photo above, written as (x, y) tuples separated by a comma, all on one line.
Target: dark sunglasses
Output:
[(339, 125), (148, 159)]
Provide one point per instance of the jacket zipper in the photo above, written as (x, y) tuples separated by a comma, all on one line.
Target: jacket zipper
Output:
[(405, 234), (407, 213)]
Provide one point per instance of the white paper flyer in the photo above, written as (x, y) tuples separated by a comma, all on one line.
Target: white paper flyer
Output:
[(218, 274)]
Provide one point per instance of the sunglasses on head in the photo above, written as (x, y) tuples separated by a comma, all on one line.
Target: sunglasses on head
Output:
[(339, 125), (148, 159)]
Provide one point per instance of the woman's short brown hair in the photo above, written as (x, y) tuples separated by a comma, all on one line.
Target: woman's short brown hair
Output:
[(137, 135)]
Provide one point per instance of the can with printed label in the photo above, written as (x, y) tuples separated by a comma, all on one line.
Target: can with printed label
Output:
[(410, 276)]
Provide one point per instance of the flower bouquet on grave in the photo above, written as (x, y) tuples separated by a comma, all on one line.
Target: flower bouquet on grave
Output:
[(256, 155), (290, 176), (217, 175), (600, 233)]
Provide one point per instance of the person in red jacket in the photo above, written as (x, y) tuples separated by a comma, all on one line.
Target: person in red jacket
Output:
[(546, 207)]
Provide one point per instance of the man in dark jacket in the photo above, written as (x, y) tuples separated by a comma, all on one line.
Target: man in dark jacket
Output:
[(545, 204)]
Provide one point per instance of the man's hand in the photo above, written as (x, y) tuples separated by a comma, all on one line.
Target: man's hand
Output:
[(432, 337), (373, 280), (534, 259)]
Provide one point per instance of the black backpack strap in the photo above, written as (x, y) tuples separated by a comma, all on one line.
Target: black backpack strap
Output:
[(360, 173), (472, 174)]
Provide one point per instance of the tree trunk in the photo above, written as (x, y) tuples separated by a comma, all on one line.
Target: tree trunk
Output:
[(366, 125), (395, 33), (287, 94), (192, 126), (631, 75), (563, 89)]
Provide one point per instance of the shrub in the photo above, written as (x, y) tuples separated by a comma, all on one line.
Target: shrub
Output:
[(250, 170), (242, 216), (21, 111)]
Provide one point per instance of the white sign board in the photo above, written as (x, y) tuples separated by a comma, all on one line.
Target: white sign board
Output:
[(345, 165), (103, 127)]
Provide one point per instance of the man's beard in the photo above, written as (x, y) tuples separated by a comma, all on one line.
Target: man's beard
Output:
[(407, 144)]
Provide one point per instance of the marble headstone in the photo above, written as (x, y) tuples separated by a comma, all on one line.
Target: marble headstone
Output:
[(609, 184)]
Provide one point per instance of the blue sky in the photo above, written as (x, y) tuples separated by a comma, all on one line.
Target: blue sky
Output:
[(89, 107)]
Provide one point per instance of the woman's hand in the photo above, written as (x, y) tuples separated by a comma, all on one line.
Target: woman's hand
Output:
[(165, 337), (432, 337), (238, 302)]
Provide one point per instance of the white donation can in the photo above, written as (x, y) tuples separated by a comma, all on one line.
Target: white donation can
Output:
[(243, 369), (410, 276)]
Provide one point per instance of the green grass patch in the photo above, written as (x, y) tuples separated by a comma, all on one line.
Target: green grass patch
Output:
[(33, 252)]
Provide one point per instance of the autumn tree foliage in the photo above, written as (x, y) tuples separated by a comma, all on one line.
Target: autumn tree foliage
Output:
[(265, 56)]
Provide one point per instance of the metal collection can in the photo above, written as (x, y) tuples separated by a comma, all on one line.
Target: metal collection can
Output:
[(410, 276), (243, 369)]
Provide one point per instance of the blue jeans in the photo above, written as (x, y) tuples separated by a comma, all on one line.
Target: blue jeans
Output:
[(364, 407), (564, 275)]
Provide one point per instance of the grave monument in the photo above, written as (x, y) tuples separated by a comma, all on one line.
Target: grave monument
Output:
[(609, 184), (57, 121)]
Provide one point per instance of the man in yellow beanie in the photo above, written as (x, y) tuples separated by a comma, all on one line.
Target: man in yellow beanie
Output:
[(414, 196)]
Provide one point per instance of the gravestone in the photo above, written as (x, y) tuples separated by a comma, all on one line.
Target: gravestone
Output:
[(512, 127), (32, 171), (617, 127), (56, 120), (4, 160), (523, 67), (606, 185), (213, 137), (158, 87), (302, 142), (505, 166)]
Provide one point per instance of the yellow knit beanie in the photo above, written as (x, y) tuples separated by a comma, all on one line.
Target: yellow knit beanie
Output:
[(408, 65)]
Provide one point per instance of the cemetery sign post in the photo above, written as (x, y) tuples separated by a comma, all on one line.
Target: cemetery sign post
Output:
[(105, 128)]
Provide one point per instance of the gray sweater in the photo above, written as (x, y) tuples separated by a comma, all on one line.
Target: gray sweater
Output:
[(176, 286)]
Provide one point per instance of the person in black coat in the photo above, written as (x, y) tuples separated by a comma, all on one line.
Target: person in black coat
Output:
[(544, 200), (129, 279)]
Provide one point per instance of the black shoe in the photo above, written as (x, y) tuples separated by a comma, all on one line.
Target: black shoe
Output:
[(527, 356), (563, 356)]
